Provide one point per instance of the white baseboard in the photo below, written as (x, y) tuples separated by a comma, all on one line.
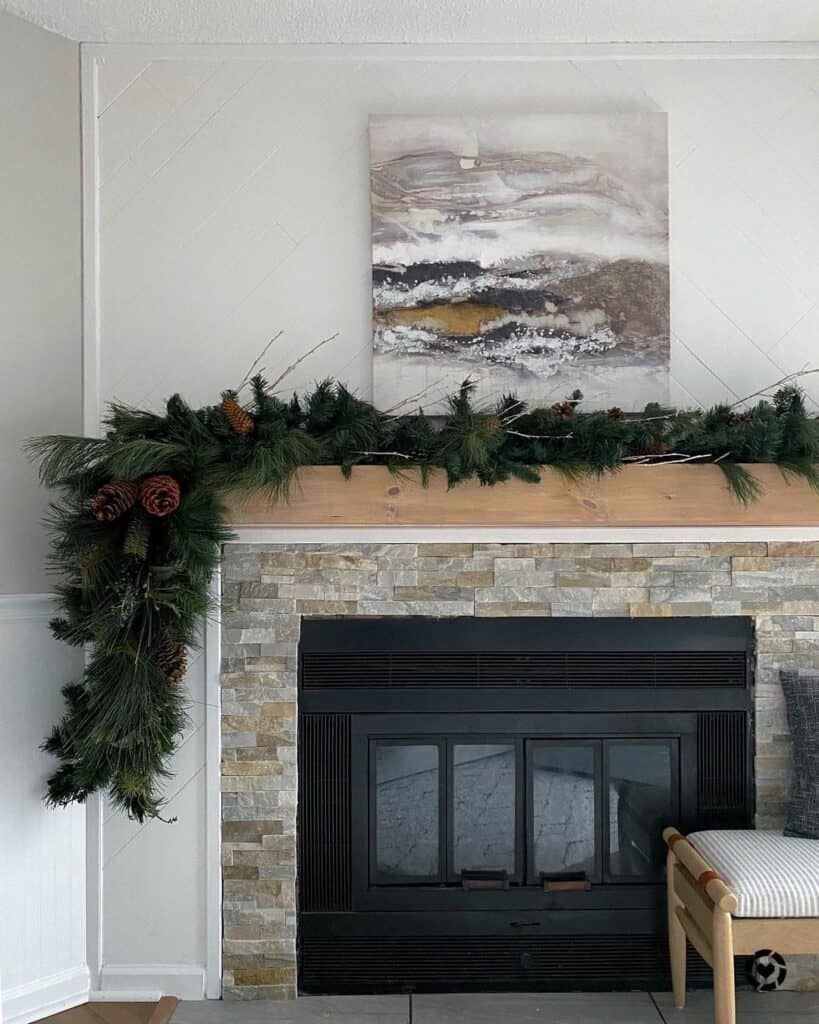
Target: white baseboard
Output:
[(146, 982), (44, 996)]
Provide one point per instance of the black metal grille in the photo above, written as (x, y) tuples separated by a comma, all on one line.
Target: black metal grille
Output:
[(722, 768), (535, 668), (324, 812), (483, 963)]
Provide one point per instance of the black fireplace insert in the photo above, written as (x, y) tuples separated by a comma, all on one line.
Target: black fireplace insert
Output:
[(481, 801)]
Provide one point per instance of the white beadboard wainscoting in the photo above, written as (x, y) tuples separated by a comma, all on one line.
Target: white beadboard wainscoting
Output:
[(226, 194), (42, 851)]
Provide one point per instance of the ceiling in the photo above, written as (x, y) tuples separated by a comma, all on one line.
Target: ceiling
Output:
[(422, 21)]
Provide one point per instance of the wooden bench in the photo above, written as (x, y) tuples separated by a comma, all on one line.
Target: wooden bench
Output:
[(735, 893)]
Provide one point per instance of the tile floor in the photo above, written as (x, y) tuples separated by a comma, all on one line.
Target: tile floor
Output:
[(516, 1008)]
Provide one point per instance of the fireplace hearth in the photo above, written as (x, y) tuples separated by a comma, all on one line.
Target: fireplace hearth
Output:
[(481, 801)]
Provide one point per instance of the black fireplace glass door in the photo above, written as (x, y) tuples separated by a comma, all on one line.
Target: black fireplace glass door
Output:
[(406, 793), (485, 790), (642, 793), (564, 808)]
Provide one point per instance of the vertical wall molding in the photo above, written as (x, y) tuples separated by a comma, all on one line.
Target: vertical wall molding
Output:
[(89, 138), (213, 794)]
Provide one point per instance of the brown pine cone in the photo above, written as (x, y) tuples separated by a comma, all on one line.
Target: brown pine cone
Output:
[(240, 421), (112, 499), (565, 410), (616, 413), (172, 659), (160, 495)]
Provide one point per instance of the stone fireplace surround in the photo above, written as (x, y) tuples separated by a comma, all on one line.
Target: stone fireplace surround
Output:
[(268, 588)]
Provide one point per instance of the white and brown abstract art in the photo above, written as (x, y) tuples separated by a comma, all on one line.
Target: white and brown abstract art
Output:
[(529, 253)]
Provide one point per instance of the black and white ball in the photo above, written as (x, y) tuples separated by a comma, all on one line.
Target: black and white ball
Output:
[(768, 971)]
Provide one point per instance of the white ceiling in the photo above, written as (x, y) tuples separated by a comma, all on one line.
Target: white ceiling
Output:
[(422, 21)]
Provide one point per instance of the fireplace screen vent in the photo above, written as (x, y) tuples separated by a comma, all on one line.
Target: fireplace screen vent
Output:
[(463, 962), (324, 812), (499, 669), (722, 770)]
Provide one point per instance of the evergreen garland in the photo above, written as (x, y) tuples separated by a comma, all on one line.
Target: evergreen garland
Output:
[(139, 524)]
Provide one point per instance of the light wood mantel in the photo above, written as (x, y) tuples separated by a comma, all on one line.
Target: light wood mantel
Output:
[(677, 495)]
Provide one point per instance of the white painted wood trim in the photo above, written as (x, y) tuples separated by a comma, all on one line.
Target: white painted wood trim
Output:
[(213, 794), (91, 416), (26, 607), (90, 244), (45, 996), (454, 52), (91, 426), (149, 982), (517, 534)]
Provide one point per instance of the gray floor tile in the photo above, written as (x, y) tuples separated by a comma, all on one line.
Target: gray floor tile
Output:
[(753, 1007), (534, 1008), (305, 1010)]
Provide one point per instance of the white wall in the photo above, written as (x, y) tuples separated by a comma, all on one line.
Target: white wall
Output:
[(234, 202), (42, 851), (40, 288)]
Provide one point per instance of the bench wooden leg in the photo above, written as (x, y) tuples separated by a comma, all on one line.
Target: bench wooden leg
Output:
[(676, 937), (723, 945)]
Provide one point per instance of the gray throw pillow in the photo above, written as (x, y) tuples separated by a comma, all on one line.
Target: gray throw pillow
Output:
[(802, 703)]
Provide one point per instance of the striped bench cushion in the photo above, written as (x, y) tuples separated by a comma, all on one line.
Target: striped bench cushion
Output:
[(771, 875)]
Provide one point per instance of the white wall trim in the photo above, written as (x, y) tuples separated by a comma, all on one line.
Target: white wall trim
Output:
[(213, 793), (90, 244), (91, 417), (517, 534), (44, 996), (147, 982), (454, 52), (26, 607)]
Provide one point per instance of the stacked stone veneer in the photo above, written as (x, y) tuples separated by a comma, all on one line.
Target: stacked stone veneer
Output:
[(267, 590)]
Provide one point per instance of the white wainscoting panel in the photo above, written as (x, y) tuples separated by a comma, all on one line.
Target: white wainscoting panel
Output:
[(154, 878), (42, 851)]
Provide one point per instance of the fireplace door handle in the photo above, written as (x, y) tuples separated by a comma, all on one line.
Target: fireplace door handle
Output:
[(475, 881), (570, 881)]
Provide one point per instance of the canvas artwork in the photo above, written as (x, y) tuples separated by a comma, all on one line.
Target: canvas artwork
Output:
[(528, 253)]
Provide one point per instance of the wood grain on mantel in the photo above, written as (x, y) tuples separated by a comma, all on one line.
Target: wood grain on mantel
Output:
[(678, 495)]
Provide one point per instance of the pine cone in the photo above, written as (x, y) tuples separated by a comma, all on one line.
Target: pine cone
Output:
[(172, 659), (160, 495), (240, 421), (565, 410), (113, 499), (616, 413)]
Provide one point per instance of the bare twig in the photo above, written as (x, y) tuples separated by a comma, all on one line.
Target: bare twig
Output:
[(539, 437), (300, 360), (668, 459), (257, 360), (777, 384), (412, 398), (398, 455), (652, 419)]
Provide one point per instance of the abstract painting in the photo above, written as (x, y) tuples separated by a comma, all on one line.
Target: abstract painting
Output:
[(529, 253)]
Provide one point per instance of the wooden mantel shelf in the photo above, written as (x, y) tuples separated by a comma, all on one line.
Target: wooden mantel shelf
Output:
[(677, 495)]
